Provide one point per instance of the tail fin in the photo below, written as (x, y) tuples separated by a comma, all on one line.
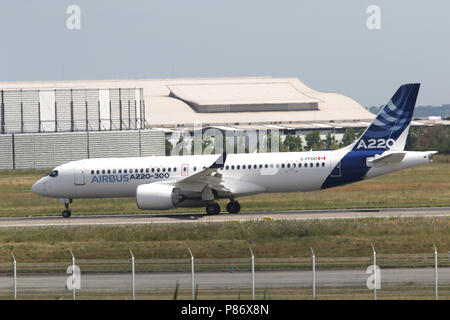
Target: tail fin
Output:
[(390, 128)]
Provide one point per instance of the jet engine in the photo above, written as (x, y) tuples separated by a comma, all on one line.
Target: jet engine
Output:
[(156, 196)]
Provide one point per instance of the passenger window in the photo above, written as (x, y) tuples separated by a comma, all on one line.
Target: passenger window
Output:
[(299, 165), (260, 166), (168, 169), (293, 165), (174, 169), (238, 167), (142, 170), (98, 171), (147, 170), (125, 171), (136, 170), (311, 165), (195, 168), (232, 167), (323, 164), (184, 169), (120, 170), (288, 165), (227, 167), (282, 165), (157, 169), (255, 166), (277, 165), (163, 169), (109, 171), (114, 171), (317, 164), (103, 171), (92, 171), (243, 166)]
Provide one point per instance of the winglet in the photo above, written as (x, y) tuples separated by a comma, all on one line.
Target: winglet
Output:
[(220, 162)]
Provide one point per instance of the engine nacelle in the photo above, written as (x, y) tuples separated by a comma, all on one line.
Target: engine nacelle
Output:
[(155, 196)]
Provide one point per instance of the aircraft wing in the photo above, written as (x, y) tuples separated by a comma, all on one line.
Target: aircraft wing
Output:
[(386, 158), (206, 177), (210, 178)]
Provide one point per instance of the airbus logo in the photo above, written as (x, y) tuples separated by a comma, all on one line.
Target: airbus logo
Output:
[(127, 177)]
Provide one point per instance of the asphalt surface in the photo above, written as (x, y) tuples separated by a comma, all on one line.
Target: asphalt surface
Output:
[(227, 280), (146, 218)]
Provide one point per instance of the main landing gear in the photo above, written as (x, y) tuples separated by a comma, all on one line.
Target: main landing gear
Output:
[(233, 206), (214, 208), (67, 212)]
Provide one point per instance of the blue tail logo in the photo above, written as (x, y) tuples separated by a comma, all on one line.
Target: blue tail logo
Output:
[(391, 122)]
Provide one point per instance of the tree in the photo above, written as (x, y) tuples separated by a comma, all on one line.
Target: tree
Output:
[(436, 138), (180, 146), (313, 141), (169, 147), (348, 138), (330, 142), (292, 143), (202, 141)]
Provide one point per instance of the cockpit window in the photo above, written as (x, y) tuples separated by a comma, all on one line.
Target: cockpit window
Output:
[(53, 173)]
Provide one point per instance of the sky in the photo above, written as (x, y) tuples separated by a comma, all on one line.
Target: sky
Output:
[(325, 43)]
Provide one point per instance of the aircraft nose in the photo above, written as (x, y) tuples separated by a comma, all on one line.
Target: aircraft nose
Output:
[(39, 188)]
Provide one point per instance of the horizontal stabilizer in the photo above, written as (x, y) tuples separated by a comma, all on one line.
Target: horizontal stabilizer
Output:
[(384, 159)]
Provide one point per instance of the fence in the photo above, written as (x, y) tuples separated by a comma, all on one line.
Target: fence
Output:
[(412, 276), (47, 150), (62, 110)]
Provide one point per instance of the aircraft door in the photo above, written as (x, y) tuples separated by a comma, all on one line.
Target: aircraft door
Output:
[(79, 174), (185, 169)]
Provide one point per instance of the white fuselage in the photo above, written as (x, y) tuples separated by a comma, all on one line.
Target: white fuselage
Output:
[(270, 172)]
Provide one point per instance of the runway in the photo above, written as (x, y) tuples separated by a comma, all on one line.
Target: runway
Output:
[(145, 218), (227, 280)]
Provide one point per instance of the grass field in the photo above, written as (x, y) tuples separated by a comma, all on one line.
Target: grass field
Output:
[(423, 186), (268, 239), (427, 185)]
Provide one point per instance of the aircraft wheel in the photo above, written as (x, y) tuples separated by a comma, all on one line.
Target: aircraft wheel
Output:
[(213, 208), (66, 213), (233, 207)]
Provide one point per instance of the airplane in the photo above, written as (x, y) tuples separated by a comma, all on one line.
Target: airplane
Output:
[(161, 182)]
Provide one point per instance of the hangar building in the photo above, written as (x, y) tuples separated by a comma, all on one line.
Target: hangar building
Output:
[(45, 123)]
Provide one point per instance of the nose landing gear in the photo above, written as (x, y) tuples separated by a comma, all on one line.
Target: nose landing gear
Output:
[(67, 212)]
